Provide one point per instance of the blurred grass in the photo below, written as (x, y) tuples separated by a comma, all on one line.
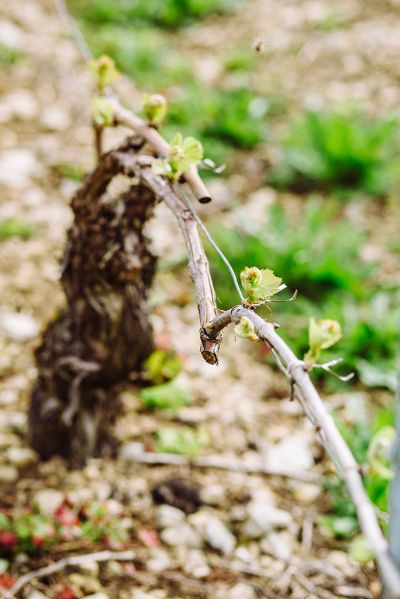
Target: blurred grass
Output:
[(9, 56), (337, 151), (165, 13)]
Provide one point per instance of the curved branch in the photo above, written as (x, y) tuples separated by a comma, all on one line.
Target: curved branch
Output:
[(329, 435)]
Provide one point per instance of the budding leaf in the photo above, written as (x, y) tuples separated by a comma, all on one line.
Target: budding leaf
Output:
[(154, 108), (183, 153), (104, 71), (379, 453), (102, 112), (260, 285), (245, 329), (321, 335)]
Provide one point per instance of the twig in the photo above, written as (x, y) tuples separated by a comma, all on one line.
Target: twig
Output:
[(211, 241), (330, 437), (125, 117), (73, 29), (77, 560), (198, 264), (220, 463), (303, 388)]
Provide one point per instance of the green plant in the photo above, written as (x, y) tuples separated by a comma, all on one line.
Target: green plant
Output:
[(18, 228), (167, 13), (344, 151), (168, 396), (9, 56), (183, 440), (162, 365)]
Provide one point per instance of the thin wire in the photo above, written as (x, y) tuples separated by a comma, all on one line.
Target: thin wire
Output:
[(73, 29), (225, 260)]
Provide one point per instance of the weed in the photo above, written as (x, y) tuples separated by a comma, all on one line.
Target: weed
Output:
[(17, 228), (9, 56), (339, 151), (167, 13)]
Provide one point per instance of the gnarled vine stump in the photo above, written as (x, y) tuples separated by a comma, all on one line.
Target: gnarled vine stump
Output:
[(104, 333)]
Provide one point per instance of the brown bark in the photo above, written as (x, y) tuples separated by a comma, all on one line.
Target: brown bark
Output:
[(104, 334)]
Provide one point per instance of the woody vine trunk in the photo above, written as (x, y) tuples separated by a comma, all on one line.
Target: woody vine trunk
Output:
[(103, 335)]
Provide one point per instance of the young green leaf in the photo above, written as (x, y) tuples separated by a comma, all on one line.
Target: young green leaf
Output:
[(154, 108), (245, 329), (183, 153), (104, 71), (168, 396), (379, 453), (321, 335), (260, 285), (102, 112)]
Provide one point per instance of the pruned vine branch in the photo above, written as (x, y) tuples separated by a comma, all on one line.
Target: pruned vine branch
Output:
[(303, 388)]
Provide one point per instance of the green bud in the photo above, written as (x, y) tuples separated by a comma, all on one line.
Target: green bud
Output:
[(104, 71), (102, 112), (245, 329), (154, 108), (183, 153), (321, 335)]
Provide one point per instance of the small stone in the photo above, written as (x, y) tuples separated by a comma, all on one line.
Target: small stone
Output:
[(11, 35), (293, 453), (21, 456), (17, 166), (8, 440), (18, 327), (241, 591), (35, 595), (130, 451), (55, 119), (159, 561), (306, 493), (279, 545), (22, 105), (90, 568), (183, 534), (168, 516), (8, 474), (263, 518), (214, 532), (48, 500), (194, 563)]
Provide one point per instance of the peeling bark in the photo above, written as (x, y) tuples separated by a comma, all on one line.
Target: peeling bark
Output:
[(104, 334)]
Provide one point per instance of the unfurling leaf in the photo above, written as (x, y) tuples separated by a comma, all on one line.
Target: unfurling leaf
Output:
[(154, 108), (260, 285), (245, 329), (102, 112), (379, 453), (321, 335), (104, 71), (183, 153)]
